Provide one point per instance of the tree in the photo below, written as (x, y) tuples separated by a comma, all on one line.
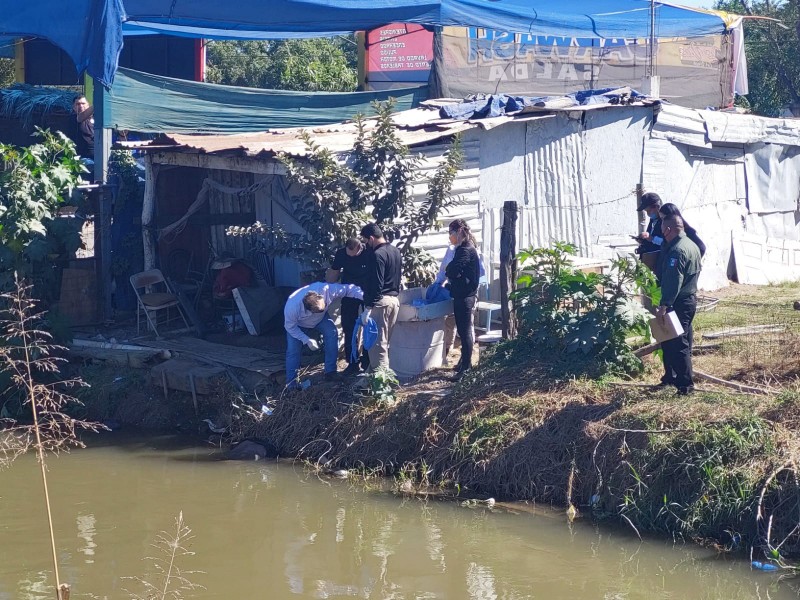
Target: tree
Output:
[(313, 65), (772, 49), (335, 198)]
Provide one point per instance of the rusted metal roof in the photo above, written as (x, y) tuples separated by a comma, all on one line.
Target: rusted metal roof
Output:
[(415, 127)]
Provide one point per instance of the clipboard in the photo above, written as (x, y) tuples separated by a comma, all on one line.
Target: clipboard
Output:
[(671, 328)]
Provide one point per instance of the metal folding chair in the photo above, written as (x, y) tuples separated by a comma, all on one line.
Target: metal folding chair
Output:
[(150, 301)]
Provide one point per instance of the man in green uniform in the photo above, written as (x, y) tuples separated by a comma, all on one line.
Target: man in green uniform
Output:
[(679, 268)]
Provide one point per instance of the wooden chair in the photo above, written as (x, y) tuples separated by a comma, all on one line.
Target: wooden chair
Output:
[(153, 301)]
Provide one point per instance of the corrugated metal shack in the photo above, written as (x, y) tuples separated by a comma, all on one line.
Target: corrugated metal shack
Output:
[(574, 170)]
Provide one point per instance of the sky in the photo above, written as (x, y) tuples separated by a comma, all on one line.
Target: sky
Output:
[(695, 3)]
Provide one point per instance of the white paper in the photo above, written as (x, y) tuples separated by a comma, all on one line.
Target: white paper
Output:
[(671, 328)]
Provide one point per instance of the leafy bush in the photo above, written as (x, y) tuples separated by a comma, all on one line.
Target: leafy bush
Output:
[(564, 310), (332, 199), (381, 387), (34, 182)]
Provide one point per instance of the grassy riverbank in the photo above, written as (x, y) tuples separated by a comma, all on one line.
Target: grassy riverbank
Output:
[(522, 427)]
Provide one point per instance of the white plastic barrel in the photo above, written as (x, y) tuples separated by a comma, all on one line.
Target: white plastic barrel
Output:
[(416, 346)]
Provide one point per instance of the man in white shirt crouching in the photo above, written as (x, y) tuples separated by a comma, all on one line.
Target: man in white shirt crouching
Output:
[(306, 310)]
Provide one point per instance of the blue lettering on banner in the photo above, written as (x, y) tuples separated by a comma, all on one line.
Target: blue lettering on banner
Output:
[(488, 46)]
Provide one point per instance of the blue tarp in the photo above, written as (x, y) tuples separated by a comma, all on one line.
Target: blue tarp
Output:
[(144, 102), (577, 18), (90, 31), (498, 105)]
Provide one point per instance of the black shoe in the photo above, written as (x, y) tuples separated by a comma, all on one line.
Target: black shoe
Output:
[(685, 391), (352, 370), (333, 376), (663, 384)]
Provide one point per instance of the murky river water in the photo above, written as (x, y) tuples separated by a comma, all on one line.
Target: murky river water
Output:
[(271, 531)]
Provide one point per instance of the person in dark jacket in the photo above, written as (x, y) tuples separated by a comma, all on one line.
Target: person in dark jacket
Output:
[(668, 210), (650, 239), (383, 287), (464, 273)]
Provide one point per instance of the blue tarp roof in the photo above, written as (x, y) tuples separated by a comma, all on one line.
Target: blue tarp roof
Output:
[(90, 31)]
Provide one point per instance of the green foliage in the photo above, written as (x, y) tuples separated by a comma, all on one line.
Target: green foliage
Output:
[(336, 198), (698, 479), (482, 435), (34, 182), (772, 49), (313, 65), (563, 310), (382, 384), (419, 267)]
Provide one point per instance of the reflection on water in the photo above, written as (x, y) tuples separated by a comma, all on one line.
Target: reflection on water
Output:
[(265, 530)]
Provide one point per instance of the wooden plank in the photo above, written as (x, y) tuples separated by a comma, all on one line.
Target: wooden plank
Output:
[(251, 359), (76, 286), (263, 166)]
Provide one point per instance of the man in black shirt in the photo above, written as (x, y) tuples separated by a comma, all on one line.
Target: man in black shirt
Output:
[(352, 263), (380, 295)]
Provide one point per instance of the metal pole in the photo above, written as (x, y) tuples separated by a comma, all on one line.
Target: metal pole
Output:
[(651, 67)]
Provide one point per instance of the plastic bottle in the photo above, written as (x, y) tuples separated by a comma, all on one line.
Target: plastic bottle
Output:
[(764, 566)]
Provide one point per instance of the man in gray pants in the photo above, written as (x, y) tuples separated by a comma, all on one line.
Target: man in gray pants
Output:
[(382, 289)]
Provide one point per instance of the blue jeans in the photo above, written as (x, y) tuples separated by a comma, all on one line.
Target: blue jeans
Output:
[(294, 349)]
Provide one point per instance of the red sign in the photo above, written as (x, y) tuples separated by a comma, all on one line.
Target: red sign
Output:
[(399, 52)]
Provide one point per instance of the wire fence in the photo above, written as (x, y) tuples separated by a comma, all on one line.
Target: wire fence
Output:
[(749, 335)]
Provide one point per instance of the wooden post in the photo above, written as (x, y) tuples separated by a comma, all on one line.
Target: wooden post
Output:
[(639, 194), (105, 200), (101, 206), (148, 211), (508, 267), (102, 254)]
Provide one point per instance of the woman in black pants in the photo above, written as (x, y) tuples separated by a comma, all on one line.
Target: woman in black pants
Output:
[(463, 273)]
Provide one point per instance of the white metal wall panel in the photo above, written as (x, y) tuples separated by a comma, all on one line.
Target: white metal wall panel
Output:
[(614, 144), (775, 225), (502, 164), (733, 128), (762, 260), (708, 186), (681, 125), (555, 173), (467, 186)]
